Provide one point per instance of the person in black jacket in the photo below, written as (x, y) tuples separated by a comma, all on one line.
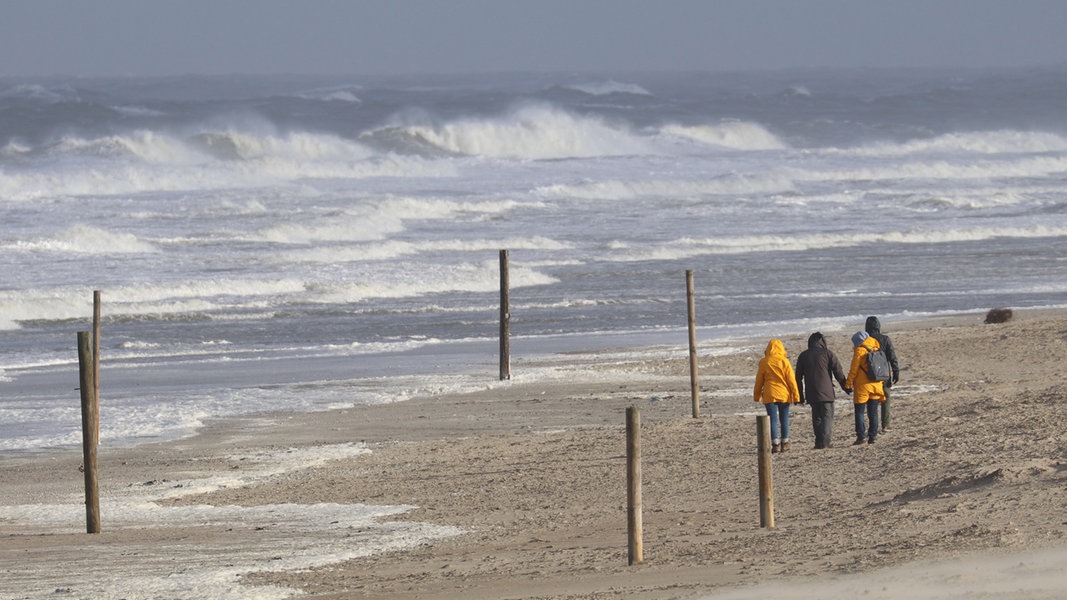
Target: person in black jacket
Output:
[(874, 329), (817, 367)]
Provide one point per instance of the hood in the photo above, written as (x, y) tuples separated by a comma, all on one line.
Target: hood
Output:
[(859, 337), (775, 348), (871, 343), (816, 340), (873, 326)]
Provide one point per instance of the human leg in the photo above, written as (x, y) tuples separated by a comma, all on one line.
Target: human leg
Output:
[(783, 416), (872, 415), (772, 412), (861, 422), (828, 424), (885, 408), (818, 415)]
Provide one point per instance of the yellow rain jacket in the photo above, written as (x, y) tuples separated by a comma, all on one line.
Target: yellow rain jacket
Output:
[(863, 389), (775, 380)]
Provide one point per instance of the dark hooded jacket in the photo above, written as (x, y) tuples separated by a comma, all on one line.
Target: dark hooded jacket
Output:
[(817, 367), (874, 329)]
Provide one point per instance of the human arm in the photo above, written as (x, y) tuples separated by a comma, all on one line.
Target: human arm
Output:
[(836, 371), (891, 354), (761, 374), (791, 383), (858, 354)]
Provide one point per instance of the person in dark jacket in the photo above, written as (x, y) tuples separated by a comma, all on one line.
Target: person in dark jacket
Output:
[(817, 367), (874, 329)]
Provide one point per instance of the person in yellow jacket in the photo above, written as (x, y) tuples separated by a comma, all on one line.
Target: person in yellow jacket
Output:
[(867, 395), (776, 388)]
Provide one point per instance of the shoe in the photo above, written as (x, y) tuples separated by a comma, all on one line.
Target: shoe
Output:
[(775, 449), (870, 441), (785, 446), (859, 442), (829, 444)]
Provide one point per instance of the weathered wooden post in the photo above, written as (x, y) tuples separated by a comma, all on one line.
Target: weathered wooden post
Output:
[(766, 481), (89, 436), (695, 388), (633, 484), (505, 318), (96, 358)]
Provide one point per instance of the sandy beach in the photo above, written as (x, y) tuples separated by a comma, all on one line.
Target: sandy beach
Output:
[(518, 491)]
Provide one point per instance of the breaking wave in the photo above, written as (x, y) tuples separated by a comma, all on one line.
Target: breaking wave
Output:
[(616, 189), (976, 142), (83, 239), (737, 135), (606, 88), (690, 247), (161, 162), (530, 132)]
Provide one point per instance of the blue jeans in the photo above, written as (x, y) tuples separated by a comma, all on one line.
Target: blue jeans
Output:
[(867, 412), (779, 413)]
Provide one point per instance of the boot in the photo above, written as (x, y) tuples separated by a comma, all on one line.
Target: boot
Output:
[(785, 445), (776, 448)]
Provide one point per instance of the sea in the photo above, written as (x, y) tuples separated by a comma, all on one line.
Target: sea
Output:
[(304, 243)]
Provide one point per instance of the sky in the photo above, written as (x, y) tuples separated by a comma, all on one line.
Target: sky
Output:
[(375, 37)]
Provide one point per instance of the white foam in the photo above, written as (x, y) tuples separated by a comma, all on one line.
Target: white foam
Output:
[(178, 297), (728, 184), (624, 251), (201, 160), (431, 279), (738, 135), (371, 220), (242, 539), (36, 91), (974, 142), (387, 250), (85, 239), (604, 88), (942, 169), (532, 131), (335, 93)]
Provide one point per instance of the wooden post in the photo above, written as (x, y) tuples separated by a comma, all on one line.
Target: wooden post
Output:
[(89, 437), (96, 359), (695, 388), (766, 481), (505, 318), (633, 484)]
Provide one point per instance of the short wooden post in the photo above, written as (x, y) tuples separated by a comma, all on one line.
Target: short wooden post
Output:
[(633, 484), (695, 388), (505, 318), (89, 437), (96, 358), (766, 481)]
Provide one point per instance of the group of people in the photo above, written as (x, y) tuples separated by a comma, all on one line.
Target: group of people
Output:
[(778, 385)]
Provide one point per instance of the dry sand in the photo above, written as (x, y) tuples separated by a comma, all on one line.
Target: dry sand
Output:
[(963, 498)]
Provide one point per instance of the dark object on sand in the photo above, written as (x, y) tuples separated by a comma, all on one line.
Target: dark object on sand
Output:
[(998, 315)]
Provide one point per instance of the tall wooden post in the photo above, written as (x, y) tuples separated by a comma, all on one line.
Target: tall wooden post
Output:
[(695, 388), (633, 485), (89, 437), (766, 481), (96, 358), (505, 318)]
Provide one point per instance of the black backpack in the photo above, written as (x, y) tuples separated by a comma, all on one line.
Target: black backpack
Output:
[(878, 365)]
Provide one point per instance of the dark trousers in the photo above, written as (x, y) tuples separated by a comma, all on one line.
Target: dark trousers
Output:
[(885, 408), (870, 411), (822, 420)]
